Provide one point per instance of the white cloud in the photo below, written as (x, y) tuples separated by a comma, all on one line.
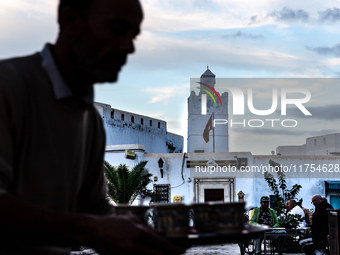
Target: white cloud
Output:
[(169, 52), (25, 24), (331, 62), (170, 16), (164, 94)]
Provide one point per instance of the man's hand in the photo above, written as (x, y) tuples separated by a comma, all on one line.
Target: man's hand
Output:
[(125, 235), (307, 230), (31, 225)]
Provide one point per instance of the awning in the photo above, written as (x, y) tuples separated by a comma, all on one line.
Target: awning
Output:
[(333, 184)]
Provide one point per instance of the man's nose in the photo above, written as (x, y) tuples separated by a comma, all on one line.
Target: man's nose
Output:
[(127, 44)]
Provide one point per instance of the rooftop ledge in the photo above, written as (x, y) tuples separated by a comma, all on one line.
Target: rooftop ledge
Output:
[(123, 147)]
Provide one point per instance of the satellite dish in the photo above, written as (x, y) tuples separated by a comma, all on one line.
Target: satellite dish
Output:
[(273, 152)]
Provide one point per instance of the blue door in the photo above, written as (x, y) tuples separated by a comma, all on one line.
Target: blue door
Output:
[(335, 201)]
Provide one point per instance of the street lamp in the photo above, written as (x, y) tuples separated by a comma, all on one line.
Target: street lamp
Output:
[(160, 165)]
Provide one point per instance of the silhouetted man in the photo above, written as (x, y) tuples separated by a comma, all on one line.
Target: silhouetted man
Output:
[(319, 226), (52, 188)]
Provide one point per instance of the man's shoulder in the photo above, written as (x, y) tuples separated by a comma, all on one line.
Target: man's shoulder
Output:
[(254, 214), (329, 206), (297, 209), (18, 71), (326, 205), (272, 211), (322, 208), (306, 210), (257, 209), (20, 59), (19, 75), (19, 64), (254, 211)]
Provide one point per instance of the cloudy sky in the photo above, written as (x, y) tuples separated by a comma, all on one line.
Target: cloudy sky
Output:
[(237, 39)]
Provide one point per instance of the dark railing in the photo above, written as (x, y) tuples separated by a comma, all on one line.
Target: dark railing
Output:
[(333, 223)]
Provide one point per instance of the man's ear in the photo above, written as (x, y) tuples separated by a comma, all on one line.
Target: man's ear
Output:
[(69, 22)]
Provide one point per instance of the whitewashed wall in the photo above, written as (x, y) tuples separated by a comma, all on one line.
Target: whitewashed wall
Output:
[(172, 174), (175, 173), (317, 145), (251, 183), (312, 182), (138, 129)]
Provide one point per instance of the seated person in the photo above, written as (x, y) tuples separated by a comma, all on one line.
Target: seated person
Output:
[(308, 214), (319, 228), (293, 208), (264, 215)]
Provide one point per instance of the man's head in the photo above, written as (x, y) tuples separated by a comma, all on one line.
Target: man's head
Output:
[(264, 203), (97, 36), (316, 200), (77, 5), (291, 204)]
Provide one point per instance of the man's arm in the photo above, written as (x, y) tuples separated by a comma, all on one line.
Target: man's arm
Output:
[(253, 218), (275, 220), (28, 224)]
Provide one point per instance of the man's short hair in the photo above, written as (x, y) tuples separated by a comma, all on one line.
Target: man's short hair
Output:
[(292, 201), (265, 199), (78, 5), (317, 196)]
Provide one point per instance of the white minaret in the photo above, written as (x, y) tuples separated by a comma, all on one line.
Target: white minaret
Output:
[(215, 140)]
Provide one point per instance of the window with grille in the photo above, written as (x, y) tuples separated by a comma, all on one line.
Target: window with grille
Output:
[(162, 193), (334, 186)]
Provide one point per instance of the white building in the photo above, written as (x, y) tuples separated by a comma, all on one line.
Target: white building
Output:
[(315, 165), (187, 175), (317, 145), (124, 127)]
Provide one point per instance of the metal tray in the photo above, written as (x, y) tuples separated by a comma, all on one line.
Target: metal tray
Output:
[(248, 232)]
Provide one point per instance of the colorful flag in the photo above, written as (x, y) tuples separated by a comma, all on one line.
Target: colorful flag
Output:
[(208, 127)]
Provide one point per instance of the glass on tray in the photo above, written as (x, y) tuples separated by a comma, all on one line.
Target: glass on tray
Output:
[(171, 219), (218, 217)]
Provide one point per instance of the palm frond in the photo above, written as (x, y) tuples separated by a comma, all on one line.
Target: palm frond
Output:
[(122, 176), (125, 185)]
